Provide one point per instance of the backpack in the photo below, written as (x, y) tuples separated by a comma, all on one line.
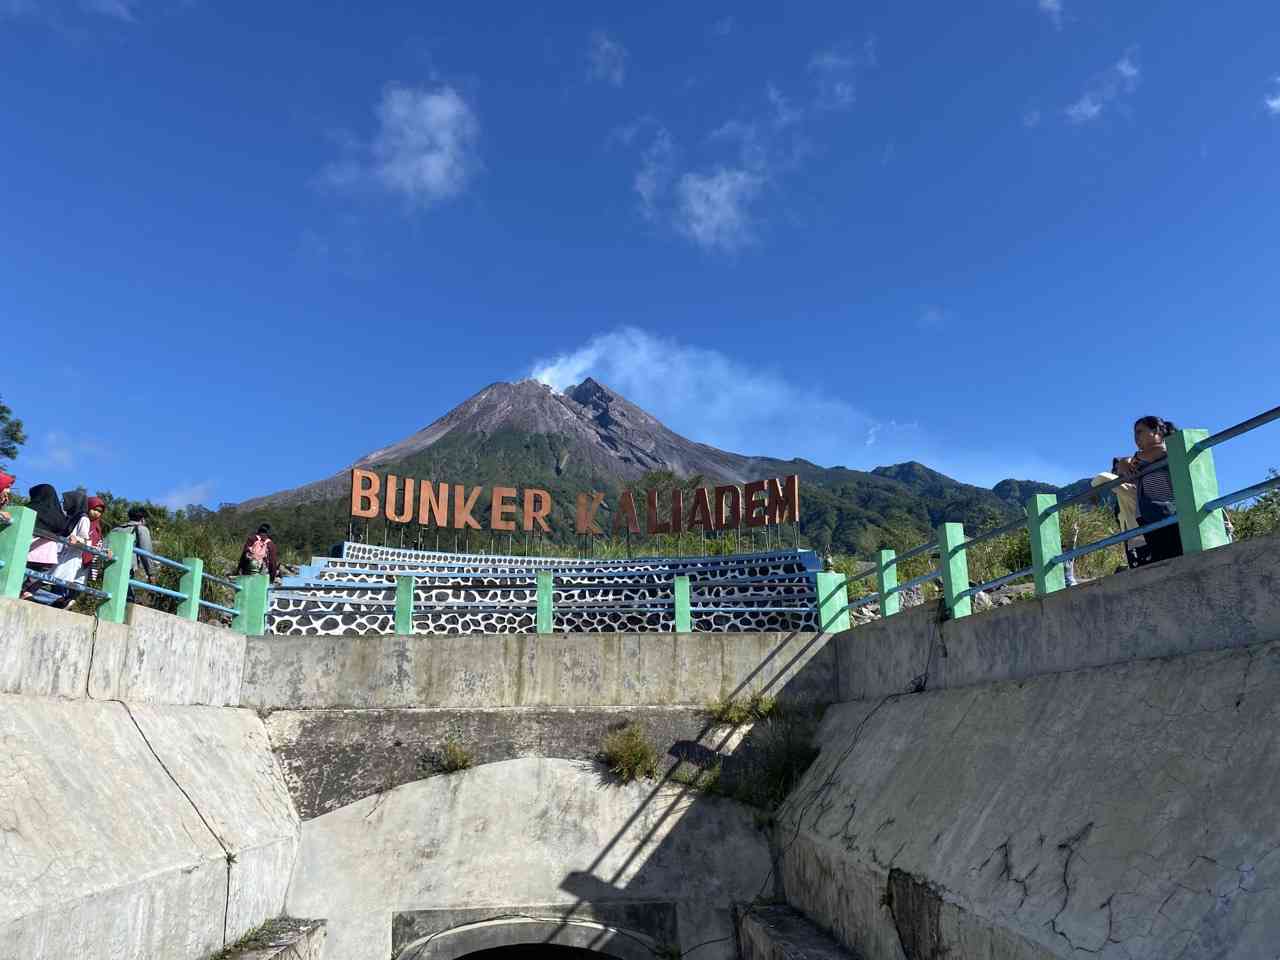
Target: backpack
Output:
[(256, 554)]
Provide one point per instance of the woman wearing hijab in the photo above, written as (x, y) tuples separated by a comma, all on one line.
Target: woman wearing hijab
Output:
[(6, 481), (76, 507), (51, 522), (93, 538)]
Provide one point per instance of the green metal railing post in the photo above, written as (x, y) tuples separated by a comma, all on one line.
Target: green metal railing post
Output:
[(545, 584), (190, 584), (954, 564), (1046, 543), (886, 580), (15, 541), (404, 606), (1195, 483), (833, 599), (251, 604), (115, 575), (684, 615)]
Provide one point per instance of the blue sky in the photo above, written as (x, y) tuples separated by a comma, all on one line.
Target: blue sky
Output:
[(242, 245)]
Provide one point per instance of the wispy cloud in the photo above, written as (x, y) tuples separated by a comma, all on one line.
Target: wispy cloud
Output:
[(713, 203), (188, 494), (723, 27), (835, 72), (1272, 102), (56, 450), (607, 59), (1031, 117), (425, 148), (120, 9), (711, 396), (1053, 10), (714, 209), (657, 169), (1106, 88)]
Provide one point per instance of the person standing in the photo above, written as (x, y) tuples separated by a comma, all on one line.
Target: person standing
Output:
[(1154, 489), (259, 554)]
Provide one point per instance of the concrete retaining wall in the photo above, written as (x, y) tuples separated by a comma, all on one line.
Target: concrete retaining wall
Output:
[(153, 658), (520, 837), (334, 757), (1125, 812), (1229, 597), (136, 831), (579, 670)]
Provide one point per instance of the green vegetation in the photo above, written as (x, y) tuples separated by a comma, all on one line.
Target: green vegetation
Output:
[(11, 434), (767, 766), (450, 758), (629, 754), (736, 711)]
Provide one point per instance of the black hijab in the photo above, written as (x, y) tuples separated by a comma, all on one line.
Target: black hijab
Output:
[(75, 504), (50, 518)]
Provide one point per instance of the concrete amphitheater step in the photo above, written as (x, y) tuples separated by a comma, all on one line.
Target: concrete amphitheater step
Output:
[(780, 932)]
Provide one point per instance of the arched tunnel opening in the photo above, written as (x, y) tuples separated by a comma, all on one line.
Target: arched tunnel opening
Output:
[(538, 951)]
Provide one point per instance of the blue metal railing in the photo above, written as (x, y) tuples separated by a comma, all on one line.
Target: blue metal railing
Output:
[(1092, 494)]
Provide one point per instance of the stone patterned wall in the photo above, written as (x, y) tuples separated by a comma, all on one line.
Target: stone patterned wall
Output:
[(468, 593)]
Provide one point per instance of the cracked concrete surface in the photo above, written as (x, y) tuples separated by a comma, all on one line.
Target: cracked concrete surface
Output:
[(154, 839), (1124, 812)]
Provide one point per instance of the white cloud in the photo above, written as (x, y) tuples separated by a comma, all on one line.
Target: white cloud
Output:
[(712, 397), (1272, 103), (1053, 10), (657, 166), (120, 9), (834, 72), (56, 450), (713, 209), (607, 58), (425, 149), (1111, 85), (1031, 117), (184, 495)]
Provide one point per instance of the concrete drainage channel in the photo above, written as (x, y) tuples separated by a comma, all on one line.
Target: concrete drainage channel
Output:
[(1091, 773)]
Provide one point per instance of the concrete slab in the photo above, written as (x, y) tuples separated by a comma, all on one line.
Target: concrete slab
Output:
[(583, 670), (1125, 812), (223, 760), (526, 832), (102, 855), (44, 652), (779, 932), (170, 660)]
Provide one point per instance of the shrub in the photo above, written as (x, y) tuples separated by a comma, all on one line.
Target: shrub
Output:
[(450, 758), (628, 754), (735, 712)]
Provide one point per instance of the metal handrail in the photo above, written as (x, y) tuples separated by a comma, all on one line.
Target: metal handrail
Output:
[(1011, 527), (143, 585), (996, 584), (222, 581), (914, 552), (1243, 427), (1120, 537), (1154, 465), (231, 611), (165, 561), (74, 544), (1248, 493), (922, 579), (70, 584)]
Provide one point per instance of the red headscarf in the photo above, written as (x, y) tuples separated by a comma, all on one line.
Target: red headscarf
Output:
[(95, 527), (6, 481)]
